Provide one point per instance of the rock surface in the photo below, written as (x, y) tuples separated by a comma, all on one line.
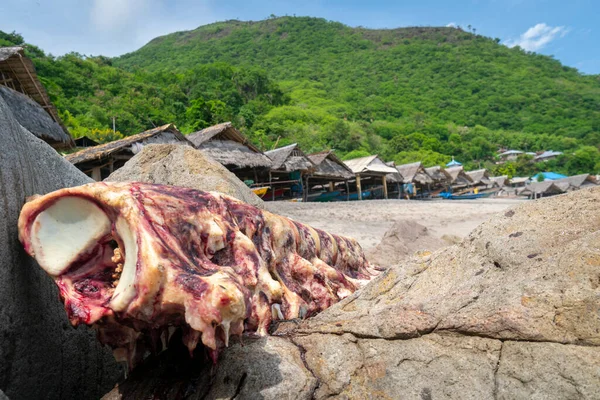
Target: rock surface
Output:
[(512, 312), (170, 164), (41, 355)]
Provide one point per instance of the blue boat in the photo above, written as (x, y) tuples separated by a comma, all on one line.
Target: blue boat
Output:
[(450, 196)]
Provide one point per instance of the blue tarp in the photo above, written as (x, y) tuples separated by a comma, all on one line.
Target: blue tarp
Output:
[(548, 176)]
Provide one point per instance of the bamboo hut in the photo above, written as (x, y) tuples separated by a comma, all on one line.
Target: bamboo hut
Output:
[(368, 170), (100, 161), (25, 95), (576, 182), (231, 149), (459, 179), (441, 179), (415, 174), (290, 166), (480, 179), (536, 190), (328, 172)]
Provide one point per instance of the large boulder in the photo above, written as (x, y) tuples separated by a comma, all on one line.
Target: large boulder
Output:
[(41, 355), (171, 164), (512, 312)]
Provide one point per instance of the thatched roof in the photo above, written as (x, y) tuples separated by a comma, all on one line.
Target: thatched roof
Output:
[(289, 158), (131, 144), (228, 146), (576, 181), (479, 176), (414, 172), (328, 165), (18, 73), (544, 188), (500, 181), (33, 118), (438, 174), (458, 175), (369, 165), (518, 180)]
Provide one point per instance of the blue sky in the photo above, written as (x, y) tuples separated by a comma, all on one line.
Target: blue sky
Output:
[(566, 29)]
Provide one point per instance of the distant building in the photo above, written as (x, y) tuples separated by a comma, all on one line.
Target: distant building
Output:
[(547, 155), (510, 155), (453, 163)]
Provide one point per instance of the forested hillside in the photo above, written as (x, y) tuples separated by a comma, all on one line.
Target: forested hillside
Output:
[(407, 94)]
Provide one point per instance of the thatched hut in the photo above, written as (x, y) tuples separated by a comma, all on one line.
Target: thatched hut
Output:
[(458, 178), (480, 178), (100, 161), (329, 170), (290, 165), (415, 174), (27, 98), (232, 149), (369, 170), (536, 190), (576, 182)]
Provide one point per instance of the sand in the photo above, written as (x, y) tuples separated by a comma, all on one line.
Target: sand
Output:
[(368, 221)]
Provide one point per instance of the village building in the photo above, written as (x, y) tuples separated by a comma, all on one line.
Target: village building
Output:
[(232, 149), (480, 179), (547, 155), (509, 155), (84, 141), (290, 166), (100, 161), (329, 177), (28, 100), (453, 163), (370, 173), (441, 179), (414, 174), (459, 180)]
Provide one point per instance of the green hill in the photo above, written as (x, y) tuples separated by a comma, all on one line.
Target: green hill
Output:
[(407, 93)]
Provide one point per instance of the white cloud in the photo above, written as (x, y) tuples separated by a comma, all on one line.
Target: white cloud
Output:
[(537, 37), (451, 25), (116, 14)]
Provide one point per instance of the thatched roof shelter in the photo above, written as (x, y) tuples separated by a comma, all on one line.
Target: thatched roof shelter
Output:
[(576, 182), (289, 158), (545, 188), (414, 173), (458, 176), (229, 147), (329, 166), (500, 181), (479, 177), (17, 73), (438, 174), (114, 154), (370, 165)]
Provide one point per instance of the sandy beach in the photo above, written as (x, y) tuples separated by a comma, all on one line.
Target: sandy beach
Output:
[(368, 221)]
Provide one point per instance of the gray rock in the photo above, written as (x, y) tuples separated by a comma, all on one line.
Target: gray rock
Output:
[(170, 164), (548, 371), (41, 355), (510, 312), (431, 366)]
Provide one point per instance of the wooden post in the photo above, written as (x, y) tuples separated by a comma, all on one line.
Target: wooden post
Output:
[(305, 189), (331, 187), (384, 181), (399, 191), (255, 175), (96, 174), (358, 188), (272, 188), (347, 191)]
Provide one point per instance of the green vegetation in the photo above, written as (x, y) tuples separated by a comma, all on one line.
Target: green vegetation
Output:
[(407, 94)]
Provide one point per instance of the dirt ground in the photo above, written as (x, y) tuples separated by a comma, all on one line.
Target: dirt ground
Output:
[(368, 221)]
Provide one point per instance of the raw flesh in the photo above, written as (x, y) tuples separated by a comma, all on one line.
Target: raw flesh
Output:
[(138, 261)]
